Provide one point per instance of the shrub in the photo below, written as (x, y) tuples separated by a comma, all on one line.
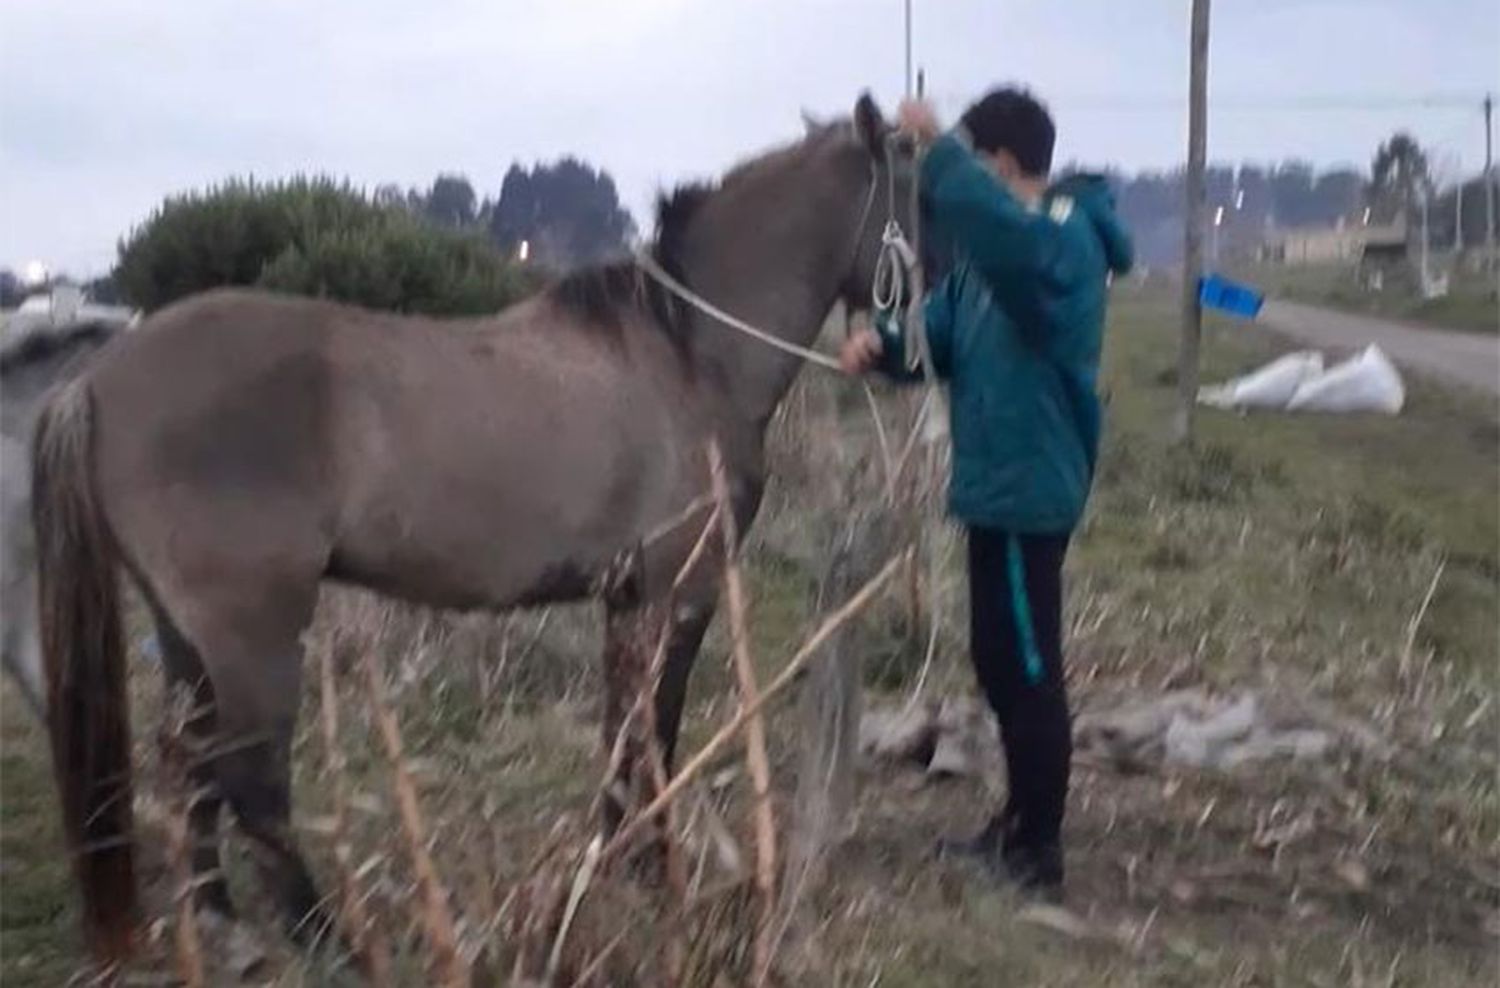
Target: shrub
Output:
[(311, 236)]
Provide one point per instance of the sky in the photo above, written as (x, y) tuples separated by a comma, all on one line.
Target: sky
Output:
[(107, 106)]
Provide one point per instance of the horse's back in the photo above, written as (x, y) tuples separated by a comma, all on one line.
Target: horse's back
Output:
[(465, 462)]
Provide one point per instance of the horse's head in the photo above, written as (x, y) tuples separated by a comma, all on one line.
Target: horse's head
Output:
[(880, 163)]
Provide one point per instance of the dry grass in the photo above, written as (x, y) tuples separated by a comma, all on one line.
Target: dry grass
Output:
[(1294, 556)]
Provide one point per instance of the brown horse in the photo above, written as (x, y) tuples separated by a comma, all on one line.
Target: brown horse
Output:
[(241, 447)]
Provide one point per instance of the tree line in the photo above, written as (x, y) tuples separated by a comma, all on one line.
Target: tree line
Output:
[(440, 250), (447, 249), (567, 213), (1259, 198)]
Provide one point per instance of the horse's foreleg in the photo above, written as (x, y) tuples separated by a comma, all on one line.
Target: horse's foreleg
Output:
[(689, 624), (629, 636)]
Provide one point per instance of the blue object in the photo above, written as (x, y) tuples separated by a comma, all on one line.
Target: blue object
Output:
[(1218, 292)]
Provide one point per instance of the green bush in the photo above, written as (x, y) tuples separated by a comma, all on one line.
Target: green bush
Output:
[(311, 237)]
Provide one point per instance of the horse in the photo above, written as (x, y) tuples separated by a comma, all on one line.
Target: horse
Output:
[(239, 448), (32, 362)]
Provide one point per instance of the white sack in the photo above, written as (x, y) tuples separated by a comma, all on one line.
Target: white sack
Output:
[(1364, 383), (1271, 386)]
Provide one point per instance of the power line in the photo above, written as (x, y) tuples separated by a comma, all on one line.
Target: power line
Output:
[(1246, 103)]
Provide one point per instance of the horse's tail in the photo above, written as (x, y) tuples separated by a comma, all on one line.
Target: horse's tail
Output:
[(83, 650)]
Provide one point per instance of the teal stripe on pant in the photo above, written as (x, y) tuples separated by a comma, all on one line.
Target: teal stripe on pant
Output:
[(1020, 606)]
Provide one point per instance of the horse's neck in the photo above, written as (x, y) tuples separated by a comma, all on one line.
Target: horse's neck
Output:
[(777, 266)]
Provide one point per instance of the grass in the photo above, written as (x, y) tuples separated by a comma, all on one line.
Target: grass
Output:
[(1286, 554), (1471, 304)]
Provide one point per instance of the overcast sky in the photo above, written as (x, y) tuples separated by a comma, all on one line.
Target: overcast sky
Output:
[(105, 107)]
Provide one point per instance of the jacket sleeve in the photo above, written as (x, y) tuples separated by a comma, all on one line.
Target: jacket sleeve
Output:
[(1020, 252), (937, 314)]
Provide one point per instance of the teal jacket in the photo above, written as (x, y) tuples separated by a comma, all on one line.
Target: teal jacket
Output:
[(1016, 329)]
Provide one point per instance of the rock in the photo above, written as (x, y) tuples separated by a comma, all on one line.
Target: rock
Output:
[(1190, 741), (1299, 745), (968, 745), (901, 735), (233, 944), (953, 757), (962, 713), (1126, 732)]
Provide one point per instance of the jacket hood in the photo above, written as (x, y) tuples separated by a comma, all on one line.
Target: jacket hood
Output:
[(1091, 193)]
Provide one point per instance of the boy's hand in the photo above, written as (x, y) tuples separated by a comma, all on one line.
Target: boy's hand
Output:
[(919, 119), (861, 351)]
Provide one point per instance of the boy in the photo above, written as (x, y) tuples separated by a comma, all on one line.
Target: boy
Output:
[(1015, 329)]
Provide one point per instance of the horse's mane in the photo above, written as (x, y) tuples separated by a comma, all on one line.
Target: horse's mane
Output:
[(44, 341), (601, 295)]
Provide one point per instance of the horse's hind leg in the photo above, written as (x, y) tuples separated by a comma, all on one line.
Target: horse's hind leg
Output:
[(248, 637), (184, 669)]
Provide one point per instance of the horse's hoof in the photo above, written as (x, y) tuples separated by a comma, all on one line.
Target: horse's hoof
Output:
[(648, 864), (314, 930), (236, 946)]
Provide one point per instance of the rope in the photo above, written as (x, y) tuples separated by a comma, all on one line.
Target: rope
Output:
[(648, 264)]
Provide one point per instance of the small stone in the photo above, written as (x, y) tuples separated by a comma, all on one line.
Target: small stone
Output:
[(1184, 892), (1055, 918), (899, 735), (1354, 874)]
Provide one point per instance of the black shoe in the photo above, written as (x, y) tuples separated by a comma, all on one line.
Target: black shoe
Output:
[(1034, 870)]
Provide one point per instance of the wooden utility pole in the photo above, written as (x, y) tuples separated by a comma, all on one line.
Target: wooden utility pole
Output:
[(1192, 242), (908, 49), (1489, 186)]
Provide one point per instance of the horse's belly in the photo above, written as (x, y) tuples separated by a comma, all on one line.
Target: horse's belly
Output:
[(523, 517)]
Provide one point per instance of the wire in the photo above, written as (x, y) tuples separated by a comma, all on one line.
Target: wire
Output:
[(1295, 104)]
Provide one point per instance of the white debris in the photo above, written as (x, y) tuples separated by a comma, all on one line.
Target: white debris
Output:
[(1198, 742), (1185, 728), (967, 743), (907, 734), (1298, 382)]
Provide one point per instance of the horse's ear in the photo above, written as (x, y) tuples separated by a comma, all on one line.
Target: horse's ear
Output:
[(811, 123), (870, 125)]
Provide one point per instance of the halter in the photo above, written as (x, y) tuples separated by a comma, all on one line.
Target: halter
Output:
[(890, 289)]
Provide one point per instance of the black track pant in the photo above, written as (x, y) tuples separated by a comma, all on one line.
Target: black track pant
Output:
[(1015, 597)]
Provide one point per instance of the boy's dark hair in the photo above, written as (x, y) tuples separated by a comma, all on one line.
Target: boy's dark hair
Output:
[(1013, 120)]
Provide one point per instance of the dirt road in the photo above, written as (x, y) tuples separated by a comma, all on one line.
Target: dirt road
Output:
[(1470, 359)]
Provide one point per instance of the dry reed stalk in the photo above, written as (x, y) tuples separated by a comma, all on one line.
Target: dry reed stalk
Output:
[(887, 460), (783, 679), (581, 882), (364, 938), (188, 952), (435, 918), (597, 964), (1415, 624), (756, 761)]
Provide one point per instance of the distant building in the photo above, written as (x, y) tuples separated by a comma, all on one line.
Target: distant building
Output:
[(62, 305), (1345, 243)]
